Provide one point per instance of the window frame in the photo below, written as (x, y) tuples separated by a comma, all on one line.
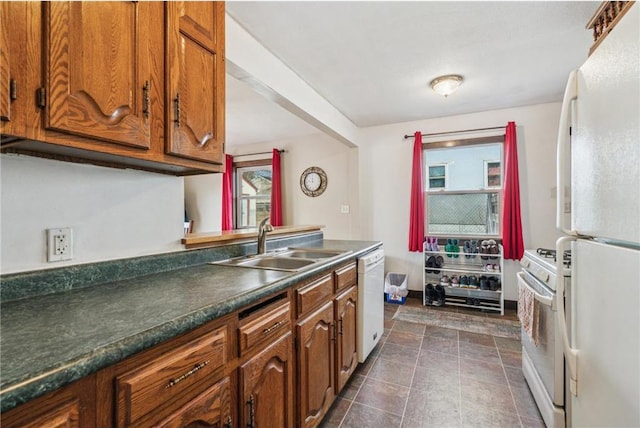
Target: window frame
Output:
[(445, 144), (238, 168)]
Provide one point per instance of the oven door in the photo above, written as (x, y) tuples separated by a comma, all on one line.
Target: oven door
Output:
[(546, 359)]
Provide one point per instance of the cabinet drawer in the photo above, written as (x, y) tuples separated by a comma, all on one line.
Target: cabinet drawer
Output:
[(315, 293), (346, 276), (265, 327), (143, 389)]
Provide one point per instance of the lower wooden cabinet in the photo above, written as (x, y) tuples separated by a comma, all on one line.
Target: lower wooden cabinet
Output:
[(316, 365), (246, 369), (266, 387), (346, 353), (70, 407), (212, 408)]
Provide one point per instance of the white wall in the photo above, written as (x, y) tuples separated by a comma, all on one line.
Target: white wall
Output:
[(385, 171), (114, 213), (338, 161)]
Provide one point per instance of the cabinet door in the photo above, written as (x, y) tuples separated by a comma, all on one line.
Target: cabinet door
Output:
[(346, 354), (72, 406), (98, 70), (316, 338), (212, 408), (195, 80), (20, 68), (266, 384)]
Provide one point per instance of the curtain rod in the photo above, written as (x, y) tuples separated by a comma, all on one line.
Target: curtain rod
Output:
[(258, 153), (457, 132)]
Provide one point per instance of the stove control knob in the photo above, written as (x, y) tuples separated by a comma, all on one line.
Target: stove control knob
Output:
[(525, 263), (545, 277)]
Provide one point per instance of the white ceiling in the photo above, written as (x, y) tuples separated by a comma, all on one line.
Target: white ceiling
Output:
[(373, 61)]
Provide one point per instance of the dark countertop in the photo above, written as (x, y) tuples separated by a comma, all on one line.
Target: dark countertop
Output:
[(52, 340)]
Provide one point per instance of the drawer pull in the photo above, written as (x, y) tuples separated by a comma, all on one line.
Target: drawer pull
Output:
[(273, 327), (252, 412), (146, 101), (179, 379)]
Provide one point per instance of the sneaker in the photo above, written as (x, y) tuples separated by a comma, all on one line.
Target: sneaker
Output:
[(429, 293), (484, 283), (441, 295), (464, 281), (455, 282), (444, 281), (473, 281)]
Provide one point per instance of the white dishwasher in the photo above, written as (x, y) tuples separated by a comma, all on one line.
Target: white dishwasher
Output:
[(370, 302)]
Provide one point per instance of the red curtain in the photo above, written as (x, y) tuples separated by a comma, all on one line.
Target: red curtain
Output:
[(511, 221), (227, 193), (416, 218), (276, 190)]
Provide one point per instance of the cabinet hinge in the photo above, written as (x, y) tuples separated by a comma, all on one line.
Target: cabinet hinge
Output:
[(41, 97)]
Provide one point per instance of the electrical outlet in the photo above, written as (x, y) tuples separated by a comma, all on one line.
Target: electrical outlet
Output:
[(59, 244)]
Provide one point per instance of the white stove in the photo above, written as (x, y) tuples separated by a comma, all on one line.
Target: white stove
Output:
[(543, 365)]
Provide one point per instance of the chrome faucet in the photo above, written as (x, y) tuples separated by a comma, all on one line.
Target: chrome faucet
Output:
[(263, 228)]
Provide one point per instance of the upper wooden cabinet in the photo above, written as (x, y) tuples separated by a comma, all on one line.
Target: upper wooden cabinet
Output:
[(98, 72), (20, 68), (133, 84), (195, 80)]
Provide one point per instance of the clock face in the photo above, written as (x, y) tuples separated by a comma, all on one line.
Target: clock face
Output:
[(313, 181)]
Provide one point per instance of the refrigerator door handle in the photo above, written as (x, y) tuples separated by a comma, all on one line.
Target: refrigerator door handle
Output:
[(571, 354), (562, 161)]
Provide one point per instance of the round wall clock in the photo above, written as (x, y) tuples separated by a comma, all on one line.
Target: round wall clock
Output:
[(313, 181)]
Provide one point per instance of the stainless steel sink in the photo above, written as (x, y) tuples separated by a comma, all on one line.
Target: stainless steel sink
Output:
[(289, 259), (309, 253)]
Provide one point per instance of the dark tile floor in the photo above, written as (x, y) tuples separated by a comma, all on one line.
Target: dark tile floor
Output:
[(423, 376)]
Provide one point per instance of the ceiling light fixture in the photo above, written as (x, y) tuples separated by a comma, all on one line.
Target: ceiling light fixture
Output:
[(446, 85)]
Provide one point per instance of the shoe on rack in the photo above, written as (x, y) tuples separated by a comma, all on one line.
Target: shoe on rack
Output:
[(430, 292), (444, 281), (434, 244), (441, 295), (467, 250), (455, 248), (494, 283), (484, 283), (449, 248), (464, 281), (493, 249), (473, 245), (473, 281), (439, 261), (431, 262), (484, 249), (454, 281)]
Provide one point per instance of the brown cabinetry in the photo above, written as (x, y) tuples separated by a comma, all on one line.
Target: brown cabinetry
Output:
[(346, 353), (266, 387), (195, 80), (98, 70), (70, 407), (245, 369), (135, 84), (20, 68), (316, 364), (212, 408)]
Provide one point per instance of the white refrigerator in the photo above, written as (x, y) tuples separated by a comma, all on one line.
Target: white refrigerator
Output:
[(599, 161)]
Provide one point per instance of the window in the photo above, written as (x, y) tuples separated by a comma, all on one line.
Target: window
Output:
[(252, 192), (492, 174), (464, 187), (437, 177)]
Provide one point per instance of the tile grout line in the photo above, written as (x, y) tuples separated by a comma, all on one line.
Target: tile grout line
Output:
[(504, 371), (459, 377), (415, 367)]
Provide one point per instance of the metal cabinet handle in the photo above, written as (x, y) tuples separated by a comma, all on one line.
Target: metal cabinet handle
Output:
[(341, 324), (13, 90), (177, 105), (228, 423), (182, 377), (207, 137), (273, 327), (333, 331), (146, 102), (252, 412)]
